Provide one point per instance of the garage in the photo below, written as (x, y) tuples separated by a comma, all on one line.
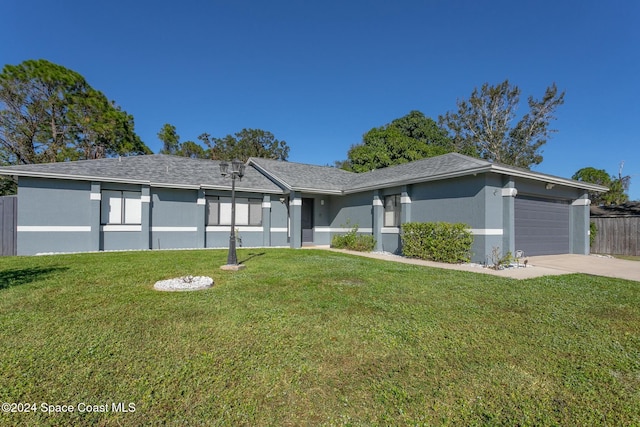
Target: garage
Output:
[(541, 225)]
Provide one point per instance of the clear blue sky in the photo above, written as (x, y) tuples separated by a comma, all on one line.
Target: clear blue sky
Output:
[(319, 74)]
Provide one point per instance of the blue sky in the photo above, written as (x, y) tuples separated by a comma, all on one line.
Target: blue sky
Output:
[(319, 74)]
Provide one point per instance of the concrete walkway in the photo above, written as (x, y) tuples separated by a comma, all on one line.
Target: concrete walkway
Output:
[(537, 266)]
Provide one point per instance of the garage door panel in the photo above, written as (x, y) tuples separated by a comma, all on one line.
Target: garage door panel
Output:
[(541, 225)]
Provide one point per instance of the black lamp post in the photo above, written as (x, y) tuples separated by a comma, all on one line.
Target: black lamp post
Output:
[(237, 171)]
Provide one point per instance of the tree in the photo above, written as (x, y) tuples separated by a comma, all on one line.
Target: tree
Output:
[(170, 139), (49, 113), (247, 143), (618, 187), (193, 150), (242, 145), (482, 126), (171, 144), (405, 139)]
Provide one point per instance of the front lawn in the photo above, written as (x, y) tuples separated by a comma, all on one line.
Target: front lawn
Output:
[(310, 337)]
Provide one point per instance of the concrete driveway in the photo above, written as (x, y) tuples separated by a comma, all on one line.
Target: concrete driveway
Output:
[(589, 264), (537, 266)]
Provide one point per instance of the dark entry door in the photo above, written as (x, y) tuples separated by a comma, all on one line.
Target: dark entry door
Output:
[(307, 220)]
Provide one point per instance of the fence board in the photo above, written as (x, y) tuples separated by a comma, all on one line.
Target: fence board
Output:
[(8, 221), (617, 236)]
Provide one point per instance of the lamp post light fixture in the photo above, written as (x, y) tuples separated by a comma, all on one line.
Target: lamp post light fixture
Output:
[(237, 171)]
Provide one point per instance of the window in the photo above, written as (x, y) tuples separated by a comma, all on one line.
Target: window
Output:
[(392, 210), (248, 211), (121, 207)]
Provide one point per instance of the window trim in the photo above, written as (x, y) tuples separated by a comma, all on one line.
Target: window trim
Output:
[(125, 204), (243, 211), (396, 200)]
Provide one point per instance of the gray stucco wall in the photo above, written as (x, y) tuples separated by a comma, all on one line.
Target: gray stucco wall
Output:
[(279, 228), (48, 213), (175, 216), (64, 215), (350, 210), (474, 200), (346, 212)]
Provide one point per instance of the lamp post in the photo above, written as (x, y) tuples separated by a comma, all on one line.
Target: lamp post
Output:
[(237, 171)]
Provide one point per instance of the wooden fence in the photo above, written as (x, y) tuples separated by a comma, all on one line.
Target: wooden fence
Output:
[(617, 235), (8, 225)]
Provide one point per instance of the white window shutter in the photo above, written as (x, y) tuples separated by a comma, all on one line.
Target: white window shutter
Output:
[(132, 207)]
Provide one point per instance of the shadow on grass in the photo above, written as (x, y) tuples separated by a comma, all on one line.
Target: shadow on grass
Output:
[(22, 276), (251, 255)]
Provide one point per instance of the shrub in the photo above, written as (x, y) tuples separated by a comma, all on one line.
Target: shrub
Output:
[(437, 241), (498, 261), (354, 241)]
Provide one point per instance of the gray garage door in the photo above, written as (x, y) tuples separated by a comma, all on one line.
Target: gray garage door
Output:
[(541, 225)]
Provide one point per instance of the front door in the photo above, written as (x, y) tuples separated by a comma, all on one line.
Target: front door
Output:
[(307, 220)]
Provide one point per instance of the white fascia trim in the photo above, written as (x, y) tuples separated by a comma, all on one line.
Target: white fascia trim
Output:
[(278, 229), (547, 178), (509, 192), (317, 191), (53, 228), (486, 231), (390, 230), (340, 230), (72, 177), (95, 196), (178, 229), (239, 189), (227, 228), (581, 202), (170, 185), (121, 227)]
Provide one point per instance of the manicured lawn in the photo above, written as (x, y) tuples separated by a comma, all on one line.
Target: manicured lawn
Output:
[(305, 337)]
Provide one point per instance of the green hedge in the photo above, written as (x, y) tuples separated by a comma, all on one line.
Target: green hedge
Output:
[(437, 241), (354, 241)]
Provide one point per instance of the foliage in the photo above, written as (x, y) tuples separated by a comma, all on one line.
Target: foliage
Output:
[(354, 241), (170, 139), (249, 143), (171, 144), (618, 187), (593, 232), (242, 145), (482, 126), (49, 113), (404, 140), (313, 338), (499, 261), (437, 241)]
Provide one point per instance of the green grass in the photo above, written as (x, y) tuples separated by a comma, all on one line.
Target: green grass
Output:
[(306, 337), (628, 257)]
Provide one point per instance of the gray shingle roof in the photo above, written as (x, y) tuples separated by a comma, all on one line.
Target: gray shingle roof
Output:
[(302, 177), (156, 169), (274, 176), (447, 165)]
